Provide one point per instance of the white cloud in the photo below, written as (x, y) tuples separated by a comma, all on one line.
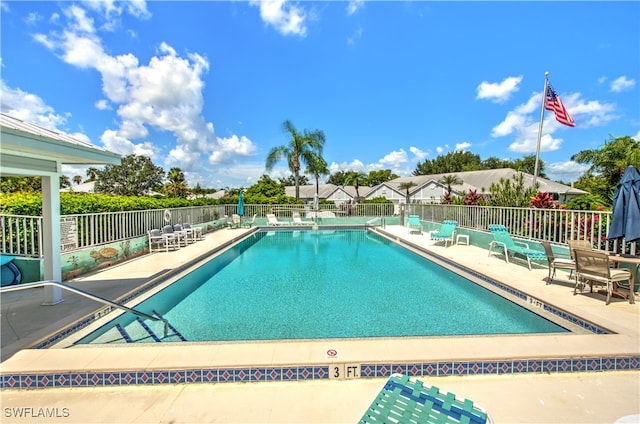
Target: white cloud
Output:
[(622, 84), (523, 122), (498, 92), (114, 142), (394, 159), (418, 154), (354, 6), (102, 104), (281, 15), (165, 94), (29, 108), (357, 35), (461, 147), (568, 171)]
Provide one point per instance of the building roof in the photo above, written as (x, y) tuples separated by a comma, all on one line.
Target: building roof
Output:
[(32, 146), (482, 180), (87, 187)]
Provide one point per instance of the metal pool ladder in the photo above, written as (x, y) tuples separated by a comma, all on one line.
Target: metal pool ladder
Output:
[(91, 296)]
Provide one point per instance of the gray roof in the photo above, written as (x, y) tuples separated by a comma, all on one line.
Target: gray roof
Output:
[(482, 180), (23, 137), (324, 190)]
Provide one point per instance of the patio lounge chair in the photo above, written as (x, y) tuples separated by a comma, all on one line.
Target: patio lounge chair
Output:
[(273, 221), (446, 233), (403, 400), (297, 220), (557, 263), (502, 238), (594, 268), (415, 227), (159, 242)]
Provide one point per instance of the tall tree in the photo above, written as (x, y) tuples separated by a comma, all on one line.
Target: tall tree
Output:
[(77, 179), (317, 167), (337, 178), (135, 176), (92, 173), (449, 180), (291, 180), (356, 179), (610, 161), (380, 176), (407, 186), (457, 161), (302, 148), (177, 185), (527, 164)]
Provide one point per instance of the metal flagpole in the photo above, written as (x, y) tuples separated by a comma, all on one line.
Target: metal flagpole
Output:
[(544, 93)]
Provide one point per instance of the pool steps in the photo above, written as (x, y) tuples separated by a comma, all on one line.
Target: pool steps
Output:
[(171, 327), (148, 330), (141, 332)]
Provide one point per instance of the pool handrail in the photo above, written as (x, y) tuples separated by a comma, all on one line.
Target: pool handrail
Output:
[(38, 284)]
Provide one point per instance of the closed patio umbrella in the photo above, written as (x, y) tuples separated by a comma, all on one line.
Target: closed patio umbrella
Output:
[(241, 204), (625, 221)]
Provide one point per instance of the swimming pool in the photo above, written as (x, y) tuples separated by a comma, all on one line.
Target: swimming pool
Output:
[(286, 285)]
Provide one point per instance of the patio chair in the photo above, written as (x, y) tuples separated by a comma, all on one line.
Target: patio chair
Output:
[(297, 219), (502, 238), (415, 227), (578, 244), (249, 224), (557, 263), (273, 221), (446, 233), (188, 234), (405, 400), (594, 267), (159, 242), (180, 236), (197, 231), (236, 220)]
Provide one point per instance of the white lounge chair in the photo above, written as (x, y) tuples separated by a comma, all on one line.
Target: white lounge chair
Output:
[(273, 221), (297, 219)]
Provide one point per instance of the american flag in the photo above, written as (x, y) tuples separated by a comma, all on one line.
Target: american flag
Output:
[(552, 102)]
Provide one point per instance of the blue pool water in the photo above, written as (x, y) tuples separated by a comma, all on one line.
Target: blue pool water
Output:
[(326, 284)]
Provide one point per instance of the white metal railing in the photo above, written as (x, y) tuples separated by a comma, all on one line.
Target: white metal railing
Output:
[(21, 235), (83, 293)]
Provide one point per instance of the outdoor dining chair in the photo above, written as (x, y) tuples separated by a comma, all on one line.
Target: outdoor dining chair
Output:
[(593, 267)]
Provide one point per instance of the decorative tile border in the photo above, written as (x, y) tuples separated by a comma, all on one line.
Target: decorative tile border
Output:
[(314, 372)]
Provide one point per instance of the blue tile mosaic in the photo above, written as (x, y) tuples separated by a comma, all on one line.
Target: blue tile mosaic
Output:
[(318, 372)]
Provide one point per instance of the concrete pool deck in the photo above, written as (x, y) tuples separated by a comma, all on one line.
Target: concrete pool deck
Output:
[(529, 397)]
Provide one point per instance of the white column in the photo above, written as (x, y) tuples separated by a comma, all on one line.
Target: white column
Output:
[(51, 237)]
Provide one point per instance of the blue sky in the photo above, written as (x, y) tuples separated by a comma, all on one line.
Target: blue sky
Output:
[(206, 85)]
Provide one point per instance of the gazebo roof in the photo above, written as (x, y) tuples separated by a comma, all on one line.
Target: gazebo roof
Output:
[(29, 149)]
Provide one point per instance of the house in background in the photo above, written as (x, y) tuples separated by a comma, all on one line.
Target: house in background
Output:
[(429, 189)]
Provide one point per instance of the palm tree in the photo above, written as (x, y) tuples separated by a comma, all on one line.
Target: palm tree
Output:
[(177, 185), (77, 179), (302, 148), (317, 167), (406, 186), (92, 173), (449, 180), (356, 179)]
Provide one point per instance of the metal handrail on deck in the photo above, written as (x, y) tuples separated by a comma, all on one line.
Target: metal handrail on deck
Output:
[(88, 295)]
